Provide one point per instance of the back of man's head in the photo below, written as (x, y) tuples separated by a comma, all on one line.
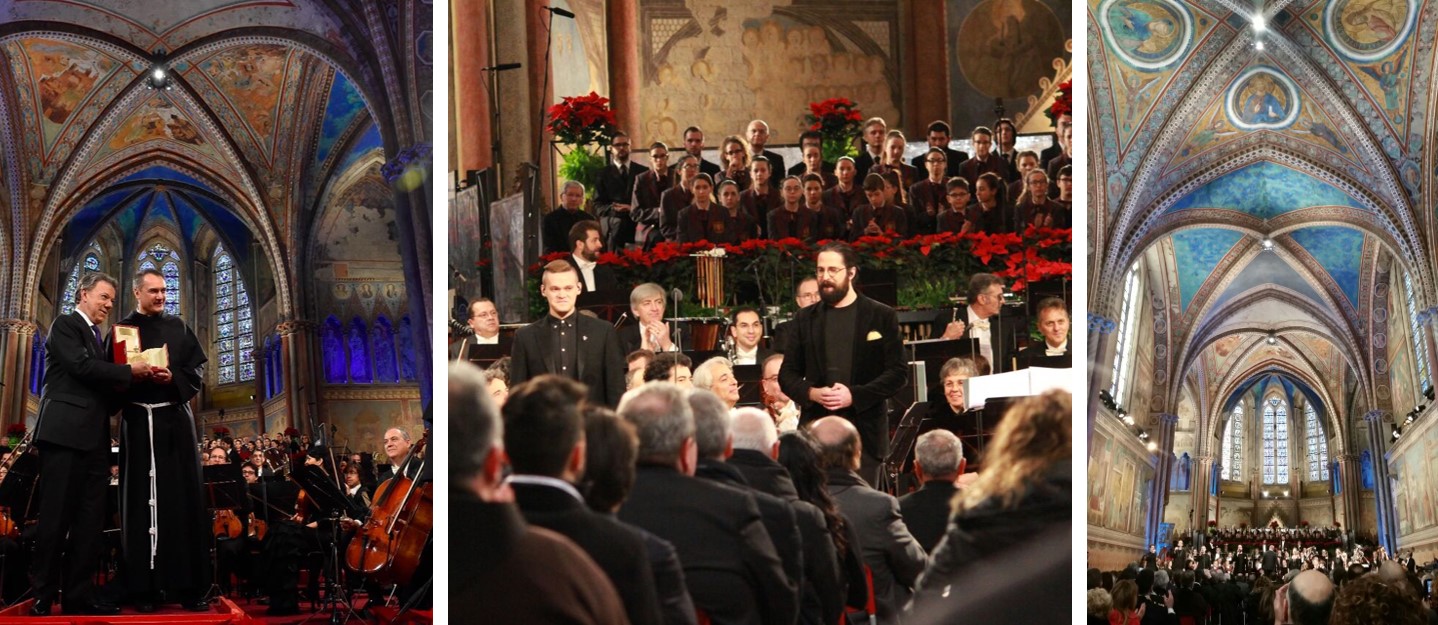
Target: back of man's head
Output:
[(661, 418), (1160, 581), (839, 445), (754, 430), (475, 429), (711, 423), (1310, 598), (542, 424), (940, 454), (1145, 581)]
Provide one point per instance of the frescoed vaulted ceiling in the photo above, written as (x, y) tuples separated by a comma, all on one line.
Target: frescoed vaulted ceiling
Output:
[(1275, 180), (269, 102)]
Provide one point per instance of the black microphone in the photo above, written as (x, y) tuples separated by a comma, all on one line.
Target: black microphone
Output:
[(559, 12), (502, 67)]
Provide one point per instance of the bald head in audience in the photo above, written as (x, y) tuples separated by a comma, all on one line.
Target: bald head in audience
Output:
[(839, 443), (1307, 600), (754, 430)]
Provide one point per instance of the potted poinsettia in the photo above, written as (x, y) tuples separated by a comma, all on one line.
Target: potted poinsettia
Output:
[(837, 121), (583, 126)]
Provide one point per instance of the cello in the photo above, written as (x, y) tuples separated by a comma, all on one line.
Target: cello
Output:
[(387, 548)]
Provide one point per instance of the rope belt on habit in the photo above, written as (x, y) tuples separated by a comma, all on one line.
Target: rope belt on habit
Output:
[(154, 491)]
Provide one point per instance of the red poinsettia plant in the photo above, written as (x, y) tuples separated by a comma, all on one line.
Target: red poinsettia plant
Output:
[(583, 120), (221, 431), (1063, 102), (837, 121), (291, 432)]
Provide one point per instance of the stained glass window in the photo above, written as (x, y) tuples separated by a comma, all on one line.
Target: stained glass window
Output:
[(408, 369), (1233, 459), (234, 331), (384, 353), (1275, 441), (357, 339), (1420, 342), (1128, 323), (1317, 445), (91, 262), (332, 342)]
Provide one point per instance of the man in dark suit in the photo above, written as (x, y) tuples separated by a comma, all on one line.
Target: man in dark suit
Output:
[(614, 192), (984, 160), (567, 343), (72, 434), (694, 145), (758, 135), (557, 222), (1054, 326), (844, 355), (939, 137), (938, 463), (1005, 136), (871, 153), (1064, 159), (730, 565), (980, 325), (584, 248), (544, 435), (806, 139), (714, 442), (397, 445), (893, 556), (648, 330), (649, 188), (1053, 151), (512, 571)]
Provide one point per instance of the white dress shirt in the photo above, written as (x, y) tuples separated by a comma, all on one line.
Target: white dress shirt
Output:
[(742, 357), (979, 329), (587, 269)]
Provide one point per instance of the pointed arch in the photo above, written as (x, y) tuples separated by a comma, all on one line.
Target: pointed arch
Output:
[(357, 340)]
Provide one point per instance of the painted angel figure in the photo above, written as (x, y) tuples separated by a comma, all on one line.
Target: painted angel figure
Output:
[(1390, 76)]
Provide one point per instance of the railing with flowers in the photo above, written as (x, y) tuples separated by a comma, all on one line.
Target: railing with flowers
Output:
[(929, 268)]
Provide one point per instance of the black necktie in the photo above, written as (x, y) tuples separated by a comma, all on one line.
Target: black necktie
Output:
[(98, 343)]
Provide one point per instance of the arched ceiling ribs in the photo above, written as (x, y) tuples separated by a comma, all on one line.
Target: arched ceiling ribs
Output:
[(1257, 228), (1239, 378), (1141, 201)]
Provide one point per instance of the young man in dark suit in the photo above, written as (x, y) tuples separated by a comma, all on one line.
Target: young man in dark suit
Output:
[(584, 248), (73, 436), (567, 343), (613, 194), (844, 356)]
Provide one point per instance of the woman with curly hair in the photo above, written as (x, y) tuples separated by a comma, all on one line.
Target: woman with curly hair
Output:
[(1368, 600), (1022, 491)]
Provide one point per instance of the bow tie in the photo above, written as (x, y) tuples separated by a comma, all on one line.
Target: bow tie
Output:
[(1053, 352), (981, 324)]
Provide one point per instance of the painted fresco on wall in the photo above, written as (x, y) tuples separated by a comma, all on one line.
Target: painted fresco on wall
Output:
[(1417, 473), (361, 423), (1002, 49), (718, 65), (1138, 519), (1097, 470), (580, 54)]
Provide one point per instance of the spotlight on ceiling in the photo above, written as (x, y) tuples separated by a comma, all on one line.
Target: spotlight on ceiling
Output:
[(159, 78), (1267, 243), (1259, 24), (1397, 432), (1272, 338), (1259, 45), (1152, 446)]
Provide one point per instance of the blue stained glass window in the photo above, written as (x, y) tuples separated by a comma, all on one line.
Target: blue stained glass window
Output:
[(232, 303), (225, 317), (244, 311), (384, 352), (1317, 445), (91, 262), (227, 374), (227, 359), (1232, 458), (358, 342), (247, 370), (226, 345), (333, 345), (1275, 441), (225, 331), (246, 326), (408, 370), (222, 289), (247, 355), (247, 341)]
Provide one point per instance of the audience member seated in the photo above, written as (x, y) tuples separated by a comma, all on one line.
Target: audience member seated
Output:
[(609, 452), (806, 293), (544, 436), (1022, 491), (799, 455), (1367, 600), (894, 558), (730, 565), (938, 463), (584, 247), (648, 331), (527, 574), (1126, 609), (780, 408), (637, 361), (558, 221)]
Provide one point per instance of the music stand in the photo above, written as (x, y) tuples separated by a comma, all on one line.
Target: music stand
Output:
[(607, 305), (226, 489), (749, 377), (329, 501)]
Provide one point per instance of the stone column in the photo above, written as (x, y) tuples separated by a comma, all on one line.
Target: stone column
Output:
[(621, 23), (471, 137), (1349, 470), (17, 337), (1430, 316), (925, 65), (1163, 471), (1202, 468), (1382, 488), (301, 371)]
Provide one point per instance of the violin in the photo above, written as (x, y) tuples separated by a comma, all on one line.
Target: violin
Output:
[(227, 525), (387, 547)]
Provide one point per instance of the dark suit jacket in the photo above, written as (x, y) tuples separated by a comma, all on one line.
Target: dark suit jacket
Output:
[(1037, 351), (776, 165), (613, 188), (615, 547), (670, 203), (877, 374), (777, 515), (1050, 153), (708, 167), (675, 605), (1052, 169), (972, 169), (729, 561), (862, 165), (926, 512), (891, 552), (604, 277), (555, 227), (649, 187), (519, 574), (600, 361), (80, 380), (824, 580)]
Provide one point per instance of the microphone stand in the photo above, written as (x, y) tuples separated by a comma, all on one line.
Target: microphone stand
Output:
[(675, 333)]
